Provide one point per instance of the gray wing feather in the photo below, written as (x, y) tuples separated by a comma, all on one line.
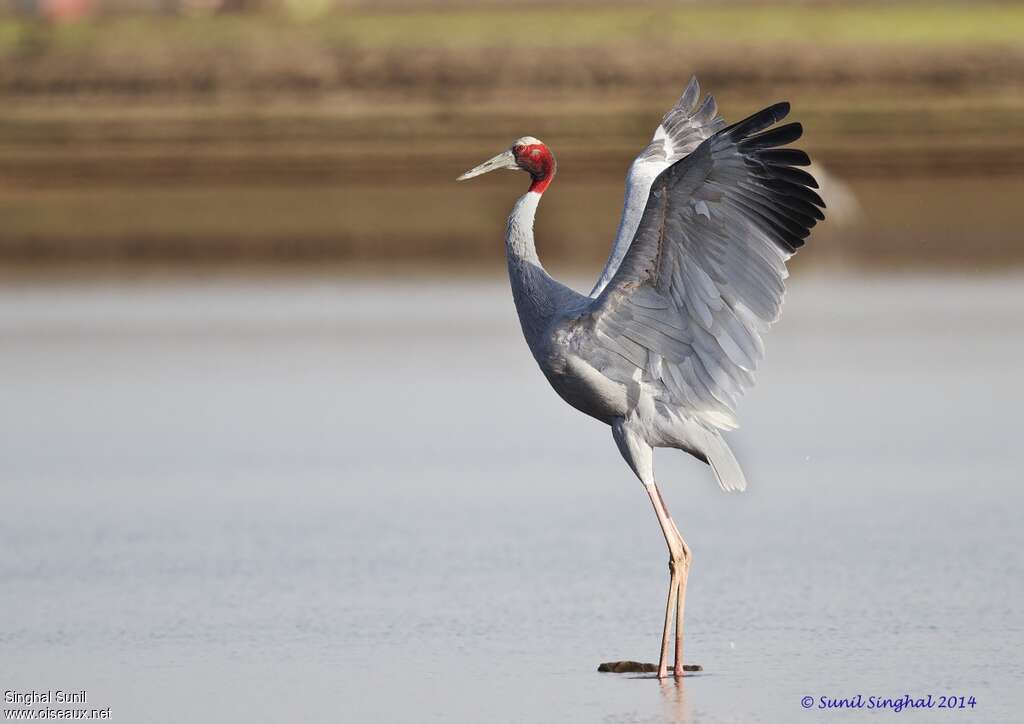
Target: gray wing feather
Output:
[(703, 276), (681, 130), (684, 126)]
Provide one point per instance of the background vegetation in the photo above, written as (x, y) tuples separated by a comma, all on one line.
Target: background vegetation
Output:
[(316, 131)]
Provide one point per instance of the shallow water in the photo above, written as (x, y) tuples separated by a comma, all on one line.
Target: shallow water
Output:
[(357, 501)]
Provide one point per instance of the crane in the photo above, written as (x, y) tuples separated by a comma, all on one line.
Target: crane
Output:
[(671, 334)]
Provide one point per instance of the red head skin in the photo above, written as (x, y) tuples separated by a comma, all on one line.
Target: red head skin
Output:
[(536, 160)]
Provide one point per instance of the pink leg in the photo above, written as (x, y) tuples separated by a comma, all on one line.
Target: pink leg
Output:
[(640, 457), (682, 571), (679, 566), (671, 606)]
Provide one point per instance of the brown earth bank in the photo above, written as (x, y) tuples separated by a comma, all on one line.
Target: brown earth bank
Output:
[(452, 73)]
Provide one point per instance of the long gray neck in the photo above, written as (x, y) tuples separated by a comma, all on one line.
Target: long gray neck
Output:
[(533, 289)]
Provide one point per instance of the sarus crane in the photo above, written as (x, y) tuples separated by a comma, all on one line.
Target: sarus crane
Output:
[(670, 335)]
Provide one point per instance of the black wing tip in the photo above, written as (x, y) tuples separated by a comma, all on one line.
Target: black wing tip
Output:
[(773, 138), (799, 176), (788, 207), (784, 157), (791, 207), (780, 110), (759, 121)]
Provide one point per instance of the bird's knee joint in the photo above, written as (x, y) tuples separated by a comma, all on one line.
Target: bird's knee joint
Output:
[(680, 560)]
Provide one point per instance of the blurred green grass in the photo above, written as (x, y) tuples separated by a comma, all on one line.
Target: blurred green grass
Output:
[(969, 23), (553, 26)]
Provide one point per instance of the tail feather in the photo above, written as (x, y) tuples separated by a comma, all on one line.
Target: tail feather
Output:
[(724, 463)]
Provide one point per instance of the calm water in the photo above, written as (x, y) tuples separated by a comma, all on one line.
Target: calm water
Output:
[(348, 501)]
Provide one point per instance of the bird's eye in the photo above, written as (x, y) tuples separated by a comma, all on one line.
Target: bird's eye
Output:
[(535, 153)]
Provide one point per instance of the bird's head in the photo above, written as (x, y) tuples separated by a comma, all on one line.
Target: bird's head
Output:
[(526, 154)]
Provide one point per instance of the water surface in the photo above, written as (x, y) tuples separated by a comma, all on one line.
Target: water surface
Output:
[(340, 500)]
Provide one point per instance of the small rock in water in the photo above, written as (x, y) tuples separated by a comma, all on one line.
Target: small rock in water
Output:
[(635, 667)]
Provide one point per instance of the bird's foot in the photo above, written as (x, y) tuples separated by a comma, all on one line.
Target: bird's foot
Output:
[(635, 667)]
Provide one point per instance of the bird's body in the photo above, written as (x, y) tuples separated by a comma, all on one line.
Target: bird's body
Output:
[(670, 336), (554, 320)]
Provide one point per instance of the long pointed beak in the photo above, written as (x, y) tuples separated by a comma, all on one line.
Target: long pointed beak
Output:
[(502, 160)]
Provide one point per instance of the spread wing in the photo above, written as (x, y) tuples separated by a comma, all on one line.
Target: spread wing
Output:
[(703, 277), (686, 124)]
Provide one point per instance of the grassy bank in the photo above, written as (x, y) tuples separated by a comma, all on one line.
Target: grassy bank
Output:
[(456, 50)]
